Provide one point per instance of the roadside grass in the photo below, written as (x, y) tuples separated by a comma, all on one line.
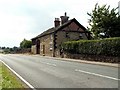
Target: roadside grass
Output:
[(1, 76), (8, 79)]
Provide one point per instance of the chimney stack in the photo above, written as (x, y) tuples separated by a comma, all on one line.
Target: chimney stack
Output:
[(57, 22), (64, 18)]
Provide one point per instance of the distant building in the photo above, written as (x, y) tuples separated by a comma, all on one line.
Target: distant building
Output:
[(48, 42), (119, 7)]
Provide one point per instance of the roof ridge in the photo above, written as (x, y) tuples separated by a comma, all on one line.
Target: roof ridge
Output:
[(54, 29)]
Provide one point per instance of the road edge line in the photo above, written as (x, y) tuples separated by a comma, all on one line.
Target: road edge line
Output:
[(20, 77)]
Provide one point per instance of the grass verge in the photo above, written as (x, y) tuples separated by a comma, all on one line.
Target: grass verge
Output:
[(1, 76), (8, 79)]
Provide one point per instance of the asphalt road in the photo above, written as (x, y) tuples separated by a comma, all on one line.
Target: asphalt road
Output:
[(42, 72)]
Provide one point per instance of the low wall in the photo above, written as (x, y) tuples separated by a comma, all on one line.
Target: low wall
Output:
[(21, 51), (99, 58)]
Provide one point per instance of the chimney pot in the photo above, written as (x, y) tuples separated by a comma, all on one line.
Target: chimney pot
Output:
[(65, 14), (57, 22), (64, 18)]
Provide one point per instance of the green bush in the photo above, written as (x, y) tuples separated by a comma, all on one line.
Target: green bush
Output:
[(26, 44), (108, 47)]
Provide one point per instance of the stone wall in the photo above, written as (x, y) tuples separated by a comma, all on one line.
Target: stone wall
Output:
[(46, 45), (99, 58)]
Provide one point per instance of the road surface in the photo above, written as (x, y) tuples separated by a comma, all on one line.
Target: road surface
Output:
[(42, 72)]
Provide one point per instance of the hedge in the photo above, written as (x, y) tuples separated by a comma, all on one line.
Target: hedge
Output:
[(108, 47)]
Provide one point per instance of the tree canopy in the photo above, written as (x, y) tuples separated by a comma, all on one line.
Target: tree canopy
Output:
[(104, 22), (26, 44)]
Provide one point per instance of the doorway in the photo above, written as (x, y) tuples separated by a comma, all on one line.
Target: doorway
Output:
[(38, 47), (43, 50)]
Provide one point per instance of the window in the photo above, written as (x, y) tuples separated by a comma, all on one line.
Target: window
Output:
[(51, 46), (51, 36), (81, 36), (67, 35)]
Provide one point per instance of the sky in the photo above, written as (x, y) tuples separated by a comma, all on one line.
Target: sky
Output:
[(21, 19)]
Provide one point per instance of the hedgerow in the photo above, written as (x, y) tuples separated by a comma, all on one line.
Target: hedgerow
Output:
[(108, 47)]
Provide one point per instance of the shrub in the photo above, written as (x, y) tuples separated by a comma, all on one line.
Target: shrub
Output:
[(108, 47)]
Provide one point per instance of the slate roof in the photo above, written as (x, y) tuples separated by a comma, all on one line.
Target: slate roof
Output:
[(54, 29)]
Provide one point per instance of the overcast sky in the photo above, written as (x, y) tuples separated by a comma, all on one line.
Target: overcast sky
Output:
[(21, 19)]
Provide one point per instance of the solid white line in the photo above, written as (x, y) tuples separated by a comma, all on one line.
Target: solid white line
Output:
[(18, 76), (97, 74)]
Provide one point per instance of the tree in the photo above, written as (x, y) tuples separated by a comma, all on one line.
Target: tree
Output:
[(3, 47), (104, 22), (26, 44)]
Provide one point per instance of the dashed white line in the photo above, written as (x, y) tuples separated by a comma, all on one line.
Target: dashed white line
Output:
[(78, 70), (18, 76), (51, 64)]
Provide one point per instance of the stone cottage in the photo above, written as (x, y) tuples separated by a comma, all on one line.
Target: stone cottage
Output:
[(48, 43)]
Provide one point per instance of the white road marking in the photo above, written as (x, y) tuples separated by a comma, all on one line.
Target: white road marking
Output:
[(18, 76), (78, 70), (51, 64)]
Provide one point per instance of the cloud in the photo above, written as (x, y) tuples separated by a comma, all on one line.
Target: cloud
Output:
[(21, 19)]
